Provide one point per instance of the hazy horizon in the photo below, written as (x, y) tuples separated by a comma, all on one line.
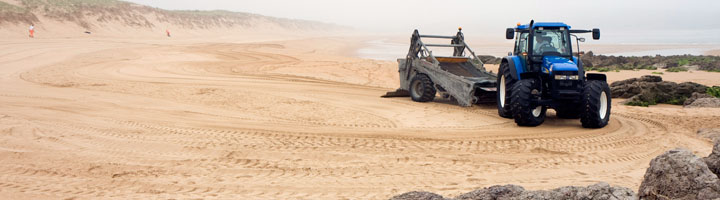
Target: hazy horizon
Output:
[(644, 21)]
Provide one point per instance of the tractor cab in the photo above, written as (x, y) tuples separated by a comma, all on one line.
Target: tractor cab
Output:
[(547, 47)]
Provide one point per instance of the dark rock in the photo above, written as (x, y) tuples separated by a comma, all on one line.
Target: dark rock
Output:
[(671, 65), (649, 62), (599, 191), (696, 96), (651, 78), (688, 88), (710, 133), (679, 174), (418, 195), (493, 192), (705, 103), (713, 160), (653, 89), (486, 59), (623, 82), (602, 191)]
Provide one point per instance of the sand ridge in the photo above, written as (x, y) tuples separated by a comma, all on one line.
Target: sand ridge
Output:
[(114, 118)]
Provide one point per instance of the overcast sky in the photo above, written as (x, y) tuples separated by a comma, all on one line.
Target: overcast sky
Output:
[(655, 21)]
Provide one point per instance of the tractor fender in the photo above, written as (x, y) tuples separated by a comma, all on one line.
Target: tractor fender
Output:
[(598, 77), (515, 65)]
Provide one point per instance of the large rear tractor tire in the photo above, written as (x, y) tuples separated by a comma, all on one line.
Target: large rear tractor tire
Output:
[(596, 104), (523, 109), (422, 89), (505, 82)]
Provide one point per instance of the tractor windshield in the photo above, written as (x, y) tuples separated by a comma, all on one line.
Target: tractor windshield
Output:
[(551, 42)]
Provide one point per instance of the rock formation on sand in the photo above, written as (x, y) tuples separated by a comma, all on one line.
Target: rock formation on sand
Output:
[(596, 191), (695, 96), (702, 62), (713, 160), (418, 195), (711, 102), (652, 90), (676, 174), (710, 133), (679, 174)]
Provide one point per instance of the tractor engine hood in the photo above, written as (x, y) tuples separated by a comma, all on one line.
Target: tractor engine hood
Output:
[(556, 63)]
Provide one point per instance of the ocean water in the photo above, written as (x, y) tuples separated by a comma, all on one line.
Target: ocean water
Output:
[(383, 49)]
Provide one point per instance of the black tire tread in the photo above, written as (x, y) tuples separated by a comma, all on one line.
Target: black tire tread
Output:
[(506, 111), (429, 90), (590, 116), (521, 106)]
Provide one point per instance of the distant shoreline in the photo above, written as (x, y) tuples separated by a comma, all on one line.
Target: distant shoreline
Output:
[(389, 50)]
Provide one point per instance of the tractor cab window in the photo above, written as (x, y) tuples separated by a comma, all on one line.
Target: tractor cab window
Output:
[(551, 42), (521, 43)]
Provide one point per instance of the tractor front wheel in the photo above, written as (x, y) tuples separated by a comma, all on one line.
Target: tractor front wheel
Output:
[(505, 82), (524, 110), (596, 103), (422, 88)]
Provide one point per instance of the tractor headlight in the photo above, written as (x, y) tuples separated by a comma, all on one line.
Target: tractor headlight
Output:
[(566, 77)]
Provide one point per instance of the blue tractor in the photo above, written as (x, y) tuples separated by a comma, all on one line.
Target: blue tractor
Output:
[(542, 72)]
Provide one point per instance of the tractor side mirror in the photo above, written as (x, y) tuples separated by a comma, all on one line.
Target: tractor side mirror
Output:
[(581, 39), (596, 34), (509, 33)]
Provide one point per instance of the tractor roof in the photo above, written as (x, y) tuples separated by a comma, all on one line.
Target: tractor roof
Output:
[(544, 24)]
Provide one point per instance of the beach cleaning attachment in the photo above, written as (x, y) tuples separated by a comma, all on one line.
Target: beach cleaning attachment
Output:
[(461, 76)]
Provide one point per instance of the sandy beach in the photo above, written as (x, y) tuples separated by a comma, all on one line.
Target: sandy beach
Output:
[(715, 52), (124, 118), (262, 111)]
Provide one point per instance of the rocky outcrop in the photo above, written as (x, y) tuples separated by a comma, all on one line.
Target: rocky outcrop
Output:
[(711, 102), (676, 174), (696, 96), (713, 160), (653, 89), (599, 191), (418, 195), (710, 133), (494, 192), (487, 59), (650, 62), (679, 174)]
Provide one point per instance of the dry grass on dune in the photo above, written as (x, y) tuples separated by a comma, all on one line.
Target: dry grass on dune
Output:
[(92, 14), (10, 13)]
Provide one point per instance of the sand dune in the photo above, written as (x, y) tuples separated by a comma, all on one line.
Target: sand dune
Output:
[(114, 18)]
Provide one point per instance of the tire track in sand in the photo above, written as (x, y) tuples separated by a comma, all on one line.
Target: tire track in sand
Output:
[(342, 142)]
